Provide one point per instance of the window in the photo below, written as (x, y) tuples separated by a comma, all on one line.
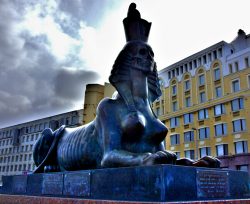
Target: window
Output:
[(236, 66), (209, 57), (242, 167), (174, 106), (204, 133), (220, 52), (189, 154), (218, 92), (158, 111), (202, 97), (216, 74), (186, 67), (46, 125), (215, 54), (188, 101), (174, 90), (222, 149), (205, 151), (219, 109), (178, 154), (177, 71), (175, 139), (169, 75), (246, 62), (239, 125), (190, 66), (241, 147), (220, 129), (181, 69), (195, 63), (188, 118), (248, 77), (189, 136), (173, 73), (74, 120), (201, 80), (187, 85), (235, 85), (41, 127), (237, 104), (205, 59), (230, 68), (174, 122), (203, 114), (67, 121)]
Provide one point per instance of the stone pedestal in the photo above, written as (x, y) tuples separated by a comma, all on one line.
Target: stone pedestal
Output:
[(159, 183)]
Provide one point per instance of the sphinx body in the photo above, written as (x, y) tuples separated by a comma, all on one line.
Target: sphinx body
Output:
[(118, 136), (125, 131)]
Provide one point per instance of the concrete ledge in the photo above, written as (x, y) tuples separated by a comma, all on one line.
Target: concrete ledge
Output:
[(20, 199), (159, 183)]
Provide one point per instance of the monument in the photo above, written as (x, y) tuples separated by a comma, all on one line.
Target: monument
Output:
[(125, 131), (120, 155)]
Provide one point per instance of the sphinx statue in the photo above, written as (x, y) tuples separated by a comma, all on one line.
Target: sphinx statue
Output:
[(125, 131)]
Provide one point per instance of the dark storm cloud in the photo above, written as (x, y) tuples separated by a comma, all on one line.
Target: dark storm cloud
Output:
[(67, 83), (34, 83)]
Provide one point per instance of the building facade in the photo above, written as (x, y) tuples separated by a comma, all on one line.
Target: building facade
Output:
[(94, 93), (17, 142), (206, 102)]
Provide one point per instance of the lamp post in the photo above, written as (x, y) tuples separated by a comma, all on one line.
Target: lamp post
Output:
[(196, 143)]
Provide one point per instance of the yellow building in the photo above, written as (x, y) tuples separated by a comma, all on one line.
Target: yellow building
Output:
[(206, 101), (94, 93)]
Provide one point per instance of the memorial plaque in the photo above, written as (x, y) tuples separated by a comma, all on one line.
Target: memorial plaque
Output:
[(52, 184), (77, 184), (19, 184), (212, 184)]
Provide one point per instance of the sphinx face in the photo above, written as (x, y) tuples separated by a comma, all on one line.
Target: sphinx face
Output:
[(141, 55)]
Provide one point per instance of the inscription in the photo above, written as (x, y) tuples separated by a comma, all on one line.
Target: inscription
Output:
[(19, 184), (52, 184), (77, 184), (212, 184)]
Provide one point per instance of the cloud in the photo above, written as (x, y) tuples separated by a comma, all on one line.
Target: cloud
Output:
[(41, 72)]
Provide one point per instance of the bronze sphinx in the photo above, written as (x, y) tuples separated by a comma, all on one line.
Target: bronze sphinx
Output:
[(125, 131)]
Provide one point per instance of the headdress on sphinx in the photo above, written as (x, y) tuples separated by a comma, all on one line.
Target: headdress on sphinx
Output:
[(137, 33), (135, 27)]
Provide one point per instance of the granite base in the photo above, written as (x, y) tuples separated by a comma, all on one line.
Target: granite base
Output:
[(158, 183)]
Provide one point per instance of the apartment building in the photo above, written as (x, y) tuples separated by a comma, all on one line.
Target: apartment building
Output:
[(17, 142), (206, 103)]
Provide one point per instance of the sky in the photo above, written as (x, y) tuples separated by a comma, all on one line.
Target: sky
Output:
[(50, 50)]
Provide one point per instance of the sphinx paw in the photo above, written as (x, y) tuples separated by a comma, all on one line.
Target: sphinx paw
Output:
[(208, 161), (160, 157)]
